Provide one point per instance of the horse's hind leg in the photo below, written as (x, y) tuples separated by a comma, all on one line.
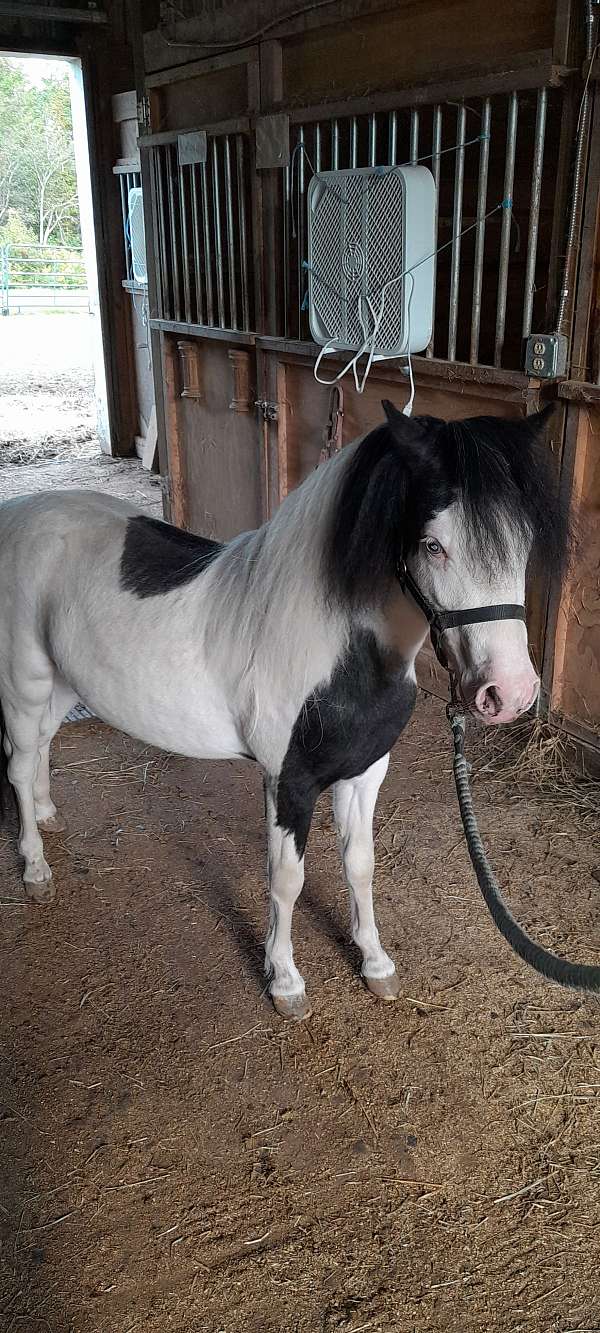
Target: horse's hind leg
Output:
[(22, 746), (48, 818)]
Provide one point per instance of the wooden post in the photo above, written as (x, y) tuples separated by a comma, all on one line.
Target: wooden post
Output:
[(177, 479)]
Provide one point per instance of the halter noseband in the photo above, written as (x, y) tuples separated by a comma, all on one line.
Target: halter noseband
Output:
[(440, 621)]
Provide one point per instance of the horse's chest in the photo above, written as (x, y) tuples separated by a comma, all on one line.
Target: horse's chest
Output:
[(346, 726)]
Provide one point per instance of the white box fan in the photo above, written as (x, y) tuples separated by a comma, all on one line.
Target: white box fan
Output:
[(367, 226), (137, 239)]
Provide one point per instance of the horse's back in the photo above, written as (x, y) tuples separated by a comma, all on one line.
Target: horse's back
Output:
[(61, 510)]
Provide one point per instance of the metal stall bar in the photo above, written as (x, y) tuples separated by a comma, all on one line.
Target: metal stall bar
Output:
[(196, 244), (484, 160), (217, 232), (300, 223), (436, 148), (318, 146), (241, 193), (210, 309), (534, 209), (509, 173), (414, 137), (459, 176), (165, 284), (392, 138), (354, 142), (185, 255), (233, 318), (335, 145), (372, 140), (174, 236)]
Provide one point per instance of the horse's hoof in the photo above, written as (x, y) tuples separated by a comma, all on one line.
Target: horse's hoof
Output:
[(53, 824), (42, 892), (292, 1006), (385, 988)]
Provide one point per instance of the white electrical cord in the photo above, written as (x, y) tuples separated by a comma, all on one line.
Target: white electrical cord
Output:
[(370, 342)]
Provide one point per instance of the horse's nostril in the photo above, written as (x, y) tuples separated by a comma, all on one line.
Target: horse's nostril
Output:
[(488, 700)]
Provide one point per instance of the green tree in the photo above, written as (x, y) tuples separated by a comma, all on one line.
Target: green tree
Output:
[(37, 158), (13, 93)]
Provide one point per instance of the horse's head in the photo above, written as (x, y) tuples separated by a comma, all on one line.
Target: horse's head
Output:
[(465, 504)]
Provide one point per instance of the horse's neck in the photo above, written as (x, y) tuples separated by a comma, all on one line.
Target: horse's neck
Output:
[(401, 626)]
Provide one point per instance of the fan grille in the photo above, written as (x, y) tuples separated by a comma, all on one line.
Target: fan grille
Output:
[(356, 247)]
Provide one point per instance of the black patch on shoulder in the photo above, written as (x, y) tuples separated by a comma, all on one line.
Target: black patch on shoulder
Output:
[(158, 558), (342, 729)]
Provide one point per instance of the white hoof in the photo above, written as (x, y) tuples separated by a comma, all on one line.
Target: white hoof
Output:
[(292, 1006), (39, 884), (385, 988)]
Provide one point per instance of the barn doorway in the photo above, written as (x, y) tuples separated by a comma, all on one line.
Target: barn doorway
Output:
[(54, 416)]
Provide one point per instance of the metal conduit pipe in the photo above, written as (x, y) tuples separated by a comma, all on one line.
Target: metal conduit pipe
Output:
[(567, 293)]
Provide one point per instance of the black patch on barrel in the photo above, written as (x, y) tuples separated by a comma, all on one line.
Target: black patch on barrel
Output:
[(159, 558)]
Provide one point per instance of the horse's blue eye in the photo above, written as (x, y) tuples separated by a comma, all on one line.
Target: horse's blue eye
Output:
[(434, 547)]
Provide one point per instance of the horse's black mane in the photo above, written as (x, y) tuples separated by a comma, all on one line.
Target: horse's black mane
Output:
[(407, 470)]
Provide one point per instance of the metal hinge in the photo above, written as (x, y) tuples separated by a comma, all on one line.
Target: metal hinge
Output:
[(269, 411)]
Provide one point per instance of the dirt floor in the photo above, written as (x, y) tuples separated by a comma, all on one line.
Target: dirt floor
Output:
[(48, 417), (176, 1156)]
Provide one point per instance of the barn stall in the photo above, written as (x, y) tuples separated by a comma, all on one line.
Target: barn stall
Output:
[(173, 1154)]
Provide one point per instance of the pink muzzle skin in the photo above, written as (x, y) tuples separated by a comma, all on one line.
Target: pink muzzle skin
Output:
[(498, 701)]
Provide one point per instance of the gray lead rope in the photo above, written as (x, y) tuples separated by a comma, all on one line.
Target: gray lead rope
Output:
[(578, 976)]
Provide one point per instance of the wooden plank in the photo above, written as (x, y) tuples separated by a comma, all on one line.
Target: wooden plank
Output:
[(209, 65), (20, 9), (282, 436), (585, 296), (457, 372), (542, 73), (216, 26), (177, 479), (204, 331), (237, 125), (268, 210), (150, 442), (562, 196), (562, 30), (576, 391), (124, 106), (574, 680)]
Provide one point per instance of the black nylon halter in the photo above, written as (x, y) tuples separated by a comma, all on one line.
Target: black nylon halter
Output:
[(440, 621)]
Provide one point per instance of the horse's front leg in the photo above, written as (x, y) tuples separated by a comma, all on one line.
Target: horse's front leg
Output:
[(354, 805), (286, 878)]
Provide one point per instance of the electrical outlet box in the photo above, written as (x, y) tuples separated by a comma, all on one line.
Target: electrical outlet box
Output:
[(546, 355)]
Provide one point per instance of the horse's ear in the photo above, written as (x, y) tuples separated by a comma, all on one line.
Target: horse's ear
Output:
[(412, 434), (538, 421)]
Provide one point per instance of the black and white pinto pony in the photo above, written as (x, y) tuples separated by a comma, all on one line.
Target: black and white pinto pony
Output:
[(294, 645)]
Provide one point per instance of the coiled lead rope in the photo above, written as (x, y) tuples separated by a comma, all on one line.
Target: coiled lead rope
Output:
[(577, 976)]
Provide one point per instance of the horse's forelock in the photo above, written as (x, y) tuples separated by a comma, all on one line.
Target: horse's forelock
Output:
[(504, 478)]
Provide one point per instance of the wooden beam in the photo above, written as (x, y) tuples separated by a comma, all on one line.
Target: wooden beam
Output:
[(203, 331), (195, 68), (15, 9), (178, 496), (538, 72)]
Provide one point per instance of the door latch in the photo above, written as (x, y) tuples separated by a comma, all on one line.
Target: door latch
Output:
[(269, 411)]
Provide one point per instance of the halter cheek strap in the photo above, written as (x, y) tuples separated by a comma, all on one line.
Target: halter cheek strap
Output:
[(440, 621)]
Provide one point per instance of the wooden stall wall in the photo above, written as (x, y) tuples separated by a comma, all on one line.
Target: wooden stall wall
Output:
[(574, 667), (358, 82)]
